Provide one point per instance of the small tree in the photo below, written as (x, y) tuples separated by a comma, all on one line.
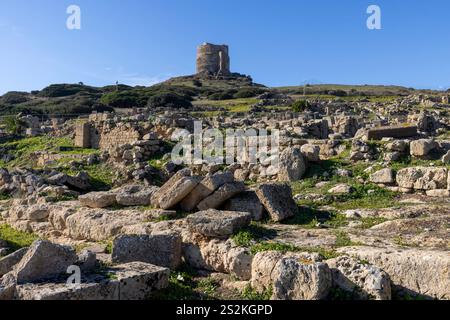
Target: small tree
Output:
[(300, 106), (13, 125)]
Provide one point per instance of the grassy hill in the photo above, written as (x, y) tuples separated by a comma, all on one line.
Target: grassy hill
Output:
[(76, 99)]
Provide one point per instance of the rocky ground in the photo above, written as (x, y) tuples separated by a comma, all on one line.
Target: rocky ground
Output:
[(356, 211)]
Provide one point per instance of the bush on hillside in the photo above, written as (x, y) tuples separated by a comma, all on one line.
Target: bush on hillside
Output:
[(64, 90), (300, 106), (169, 100), (124, 99), (15, 97), (248, 93), (13, 125)]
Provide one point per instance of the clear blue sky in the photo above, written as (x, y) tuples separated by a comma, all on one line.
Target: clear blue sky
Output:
[(285, 42)]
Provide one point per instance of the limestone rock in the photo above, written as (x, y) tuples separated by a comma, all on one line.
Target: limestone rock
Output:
[(217, 224), (8, 285), (219, 256), (135, 195), (221, 195), (246, 202), (365, 281), (162, 249), (446, 158), (7, 263), (311, 152), (292, 165), (412, 271), (174, 190), (87, 260), (37, 212), (422, 178), (397, 146), (422, 147), (383, 176), (101, 224), (130, 281), (98, 199), (341, 189), (278, 201), (291, 276), (205, 188), (438, 193), (44, 260)]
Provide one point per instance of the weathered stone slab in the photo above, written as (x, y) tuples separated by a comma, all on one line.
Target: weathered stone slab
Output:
[(135, 195), (246, 201), (292, 165), (363, 281), (383, 176), (175, 190), (217, 255), (412, 271), (8, 262), (217, 224), (221, 195), (44, 260), (398, 132), (206, 187), (101, 224), (8, 285), (422, 147), (138, 280), (422, 178), (162, 249), (292, 276), (277, 199), (131, 281), (98, 199)]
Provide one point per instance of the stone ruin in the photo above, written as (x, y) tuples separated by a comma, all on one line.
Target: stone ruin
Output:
[(213, 60)]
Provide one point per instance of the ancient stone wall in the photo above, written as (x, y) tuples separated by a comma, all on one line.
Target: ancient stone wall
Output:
[(213, 59), (118, 136), (82, 135)]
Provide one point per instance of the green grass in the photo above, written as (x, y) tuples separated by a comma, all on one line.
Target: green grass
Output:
[(284, 248), (343, 240), (4, 196), (207, 286), (183, 285), (408, 161), (369, 222), (359, 198), (101, 175), (251, 294), (23, 148), (253, 233), (232, 105), (309, 217), (16, 239)]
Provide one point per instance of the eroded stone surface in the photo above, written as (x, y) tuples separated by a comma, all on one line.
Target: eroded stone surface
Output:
[(216, 223)]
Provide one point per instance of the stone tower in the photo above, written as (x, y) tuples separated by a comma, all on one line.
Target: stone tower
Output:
[(213, 60)]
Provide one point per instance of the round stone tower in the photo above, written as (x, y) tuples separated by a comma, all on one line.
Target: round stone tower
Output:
[(213, 60)]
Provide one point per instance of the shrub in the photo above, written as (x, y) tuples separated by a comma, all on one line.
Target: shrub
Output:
[(220, 96), (337, 93), (169, 100), (64, 90), (197, 83), (248, 93), (14, 97), (13, 125), (300, 106), (124, 99)]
